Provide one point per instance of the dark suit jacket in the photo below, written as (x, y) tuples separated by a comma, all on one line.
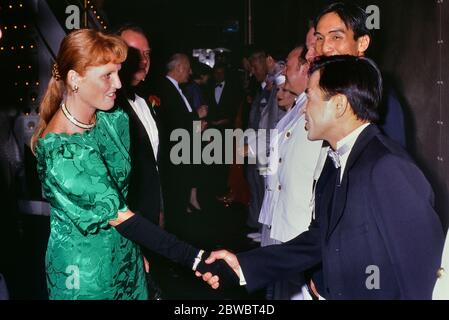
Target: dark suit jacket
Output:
[(382, 215), (144, 194), (392, 121), (173, 115), (228, 105)]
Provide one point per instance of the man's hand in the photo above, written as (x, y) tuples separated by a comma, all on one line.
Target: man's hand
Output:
[(121, 217), (146, 264), (231, 260), (243, 151), (202, 111), (204, 125)]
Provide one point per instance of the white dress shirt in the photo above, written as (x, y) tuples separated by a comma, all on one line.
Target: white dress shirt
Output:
[(349, 142), (176, 84), (142, 109), (292, 162), (219, 90)]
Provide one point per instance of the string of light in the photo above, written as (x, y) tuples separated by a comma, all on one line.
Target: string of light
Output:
[(96, 15)]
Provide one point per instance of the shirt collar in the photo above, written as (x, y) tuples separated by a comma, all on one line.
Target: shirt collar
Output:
[(351, 138), (175, 83), (300, 100)]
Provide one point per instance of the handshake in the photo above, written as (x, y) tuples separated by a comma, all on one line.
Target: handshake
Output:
[(220, 269)]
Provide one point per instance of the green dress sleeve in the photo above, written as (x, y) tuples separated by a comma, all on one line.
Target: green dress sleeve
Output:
[(80, 186)]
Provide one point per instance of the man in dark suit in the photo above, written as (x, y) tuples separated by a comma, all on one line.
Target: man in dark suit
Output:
[(177, 116), (224, 101), (144, 195), (374, 229)]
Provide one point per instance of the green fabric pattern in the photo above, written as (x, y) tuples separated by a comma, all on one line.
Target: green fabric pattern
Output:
[(85, 180)]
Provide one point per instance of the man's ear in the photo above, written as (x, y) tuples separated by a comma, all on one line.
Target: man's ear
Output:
[(270, 61), (341, 104), (363, 44), (304, 69)]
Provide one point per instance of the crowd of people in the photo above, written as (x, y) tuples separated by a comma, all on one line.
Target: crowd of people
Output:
[(340, 209)]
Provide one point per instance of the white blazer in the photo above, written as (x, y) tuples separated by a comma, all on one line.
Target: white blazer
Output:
[(441, 290), (286, 205)]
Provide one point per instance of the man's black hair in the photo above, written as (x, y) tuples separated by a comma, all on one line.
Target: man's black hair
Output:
[(352, 15), (357, 78)]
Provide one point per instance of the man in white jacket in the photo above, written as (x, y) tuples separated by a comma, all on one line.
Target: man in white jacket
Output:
[(286, 210)]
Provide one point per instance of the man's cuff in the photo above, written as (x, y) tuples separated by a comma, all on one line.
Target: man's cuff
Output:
[(241, 277), (197, 260)]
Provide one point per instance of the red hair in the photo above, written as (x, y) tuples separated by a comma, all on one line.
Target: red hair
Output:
[(79, 50)]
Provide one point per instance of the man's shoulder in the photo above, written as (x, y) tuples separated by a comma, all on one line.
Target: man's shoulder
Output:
[(166, 88), (382, 154), (386, 159)]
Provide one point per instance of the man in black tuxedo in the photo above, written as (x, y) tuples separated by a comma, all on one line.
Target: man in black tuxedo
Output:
[(177, 114), (144, 195), (374, 229), (224, 101)]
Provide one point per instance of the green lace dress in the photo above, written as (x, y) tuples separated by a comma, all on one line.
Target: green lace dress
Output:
[(85, 179)]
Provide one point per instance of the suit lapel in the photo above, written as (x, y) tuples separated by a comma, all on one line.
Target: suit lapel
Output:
[(340, 192), (137, 131), (223, 95)]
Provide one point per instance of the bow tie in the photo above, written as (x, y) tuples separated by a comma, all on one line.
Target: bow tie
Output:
[(336, 155), (130, 93), (219, 85)]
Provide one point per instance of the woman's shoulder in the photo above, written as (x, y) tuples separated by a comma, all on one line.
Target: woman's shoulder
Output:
[(56, 145), (116, 115), (112, 128), (64, 157)]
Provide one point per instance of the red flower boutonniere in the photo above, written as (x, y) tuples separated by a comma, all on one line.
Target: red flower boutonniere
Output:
[(154, 101)]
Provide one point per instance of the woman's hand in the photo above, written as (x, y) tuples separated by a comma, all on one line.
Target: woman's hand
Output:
[(121, 217)]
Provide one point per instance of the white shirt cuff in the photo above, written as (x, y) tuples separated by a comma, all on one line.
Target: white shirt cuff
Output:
[(242, 277)]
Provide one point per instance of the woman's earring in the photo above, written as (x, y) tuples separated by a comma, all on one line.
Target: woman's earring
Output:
[(75, 88)]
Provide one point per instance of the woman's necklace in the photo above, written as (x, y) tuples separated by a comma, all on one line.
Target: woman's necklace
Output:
[(73, 120)]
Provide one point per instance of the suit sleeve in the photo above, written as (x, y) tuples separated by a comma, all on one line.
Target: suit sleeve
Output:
[(402, 204), (265, 265)]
